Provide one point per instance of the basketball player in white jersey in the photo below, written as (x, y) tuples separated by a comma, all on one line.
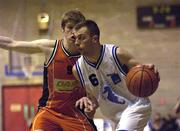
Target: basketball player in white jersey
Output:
[(101, 70)]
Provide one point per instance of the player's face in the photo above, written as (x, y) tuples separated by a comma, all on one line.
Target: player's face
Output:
[(83, 40), (68, 32)]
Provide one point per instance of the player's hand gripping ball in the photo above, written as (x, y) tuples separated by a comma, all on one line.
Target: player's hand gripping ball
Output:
[(142, 81)]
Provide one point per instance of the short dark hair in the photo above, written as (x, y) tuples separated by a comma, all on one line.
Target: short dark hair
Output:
[(72, 16), (91, 25)]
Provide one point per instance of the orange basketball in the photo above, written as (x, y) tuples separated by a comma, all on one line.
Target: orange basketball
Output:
[(142, 81)]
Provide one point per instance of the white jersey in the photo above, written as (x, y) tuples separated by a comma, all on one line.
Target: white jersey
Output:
[(105, 81)]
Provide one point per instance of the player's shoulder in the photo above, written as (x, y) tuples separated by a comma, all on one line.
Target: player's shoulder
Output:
[(111, 47), (80, 60), (121, 51)]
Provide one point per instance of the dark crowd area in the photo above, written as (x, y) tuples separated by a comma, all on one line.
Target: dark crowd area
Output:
[(169, 122)]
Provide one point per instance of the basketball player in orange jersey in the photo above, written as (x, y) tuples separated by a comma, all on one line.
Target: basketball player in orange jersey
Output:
[(59, 112), (101, 70)]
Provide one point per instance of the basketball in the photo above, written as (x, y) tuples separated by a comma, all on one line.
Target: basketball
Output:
[(142, 81)]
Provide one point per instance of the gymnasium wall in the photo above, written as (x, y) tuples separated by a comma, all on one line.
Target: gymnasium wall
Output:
[(117, 21)]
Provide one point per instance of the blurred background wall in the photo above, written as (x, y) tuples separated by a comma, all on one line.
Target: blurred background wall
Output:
[(118, 24)]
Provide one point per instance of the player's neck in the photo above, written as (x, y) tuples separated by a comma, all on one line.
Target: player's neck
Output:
[(95, 54)]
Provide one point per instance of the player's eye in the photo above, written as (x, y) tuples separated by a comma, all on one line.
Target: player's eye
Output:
[(82, 37), (70, 27)]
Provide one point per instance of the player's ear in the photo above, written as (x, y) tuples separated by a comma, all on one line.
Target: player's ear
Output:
[(62, 29), (95, 39)]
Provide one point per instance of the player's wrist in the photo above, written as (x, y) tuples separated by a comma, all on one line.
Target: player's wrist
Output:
[(90, 115)]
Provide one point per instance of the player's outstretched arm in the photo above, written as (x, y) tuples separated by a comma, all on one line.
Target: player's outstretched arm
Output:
[(28, 47)]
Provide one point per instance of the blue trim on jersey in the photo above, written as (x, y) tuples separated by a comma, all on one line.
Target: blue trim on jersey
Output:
[(80, 73), (101, 57), (53, 54), (118, 63), (89, 63), (97, 64)]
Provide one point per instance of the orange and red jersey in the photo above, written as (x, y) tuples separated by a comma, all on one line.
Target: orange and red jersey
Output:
[(60, 92), (63, 89)]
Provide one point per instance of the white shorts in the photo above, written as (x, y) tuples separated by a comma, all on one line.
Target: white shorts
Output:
[(135, 117)]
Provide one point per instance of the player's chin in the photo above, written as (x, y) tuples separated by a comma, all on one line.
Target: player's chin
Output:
[(80, 51)]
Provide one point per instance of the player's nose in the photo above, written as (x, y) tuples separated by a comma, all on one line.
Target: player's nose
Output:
[(76, 42)]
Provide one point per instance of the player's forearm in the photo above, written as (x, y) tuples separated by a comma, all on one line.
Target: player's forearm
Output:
[(36, 46), (90, 114), (28, 47), (20, 47), (132, 62), (126, 58)]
